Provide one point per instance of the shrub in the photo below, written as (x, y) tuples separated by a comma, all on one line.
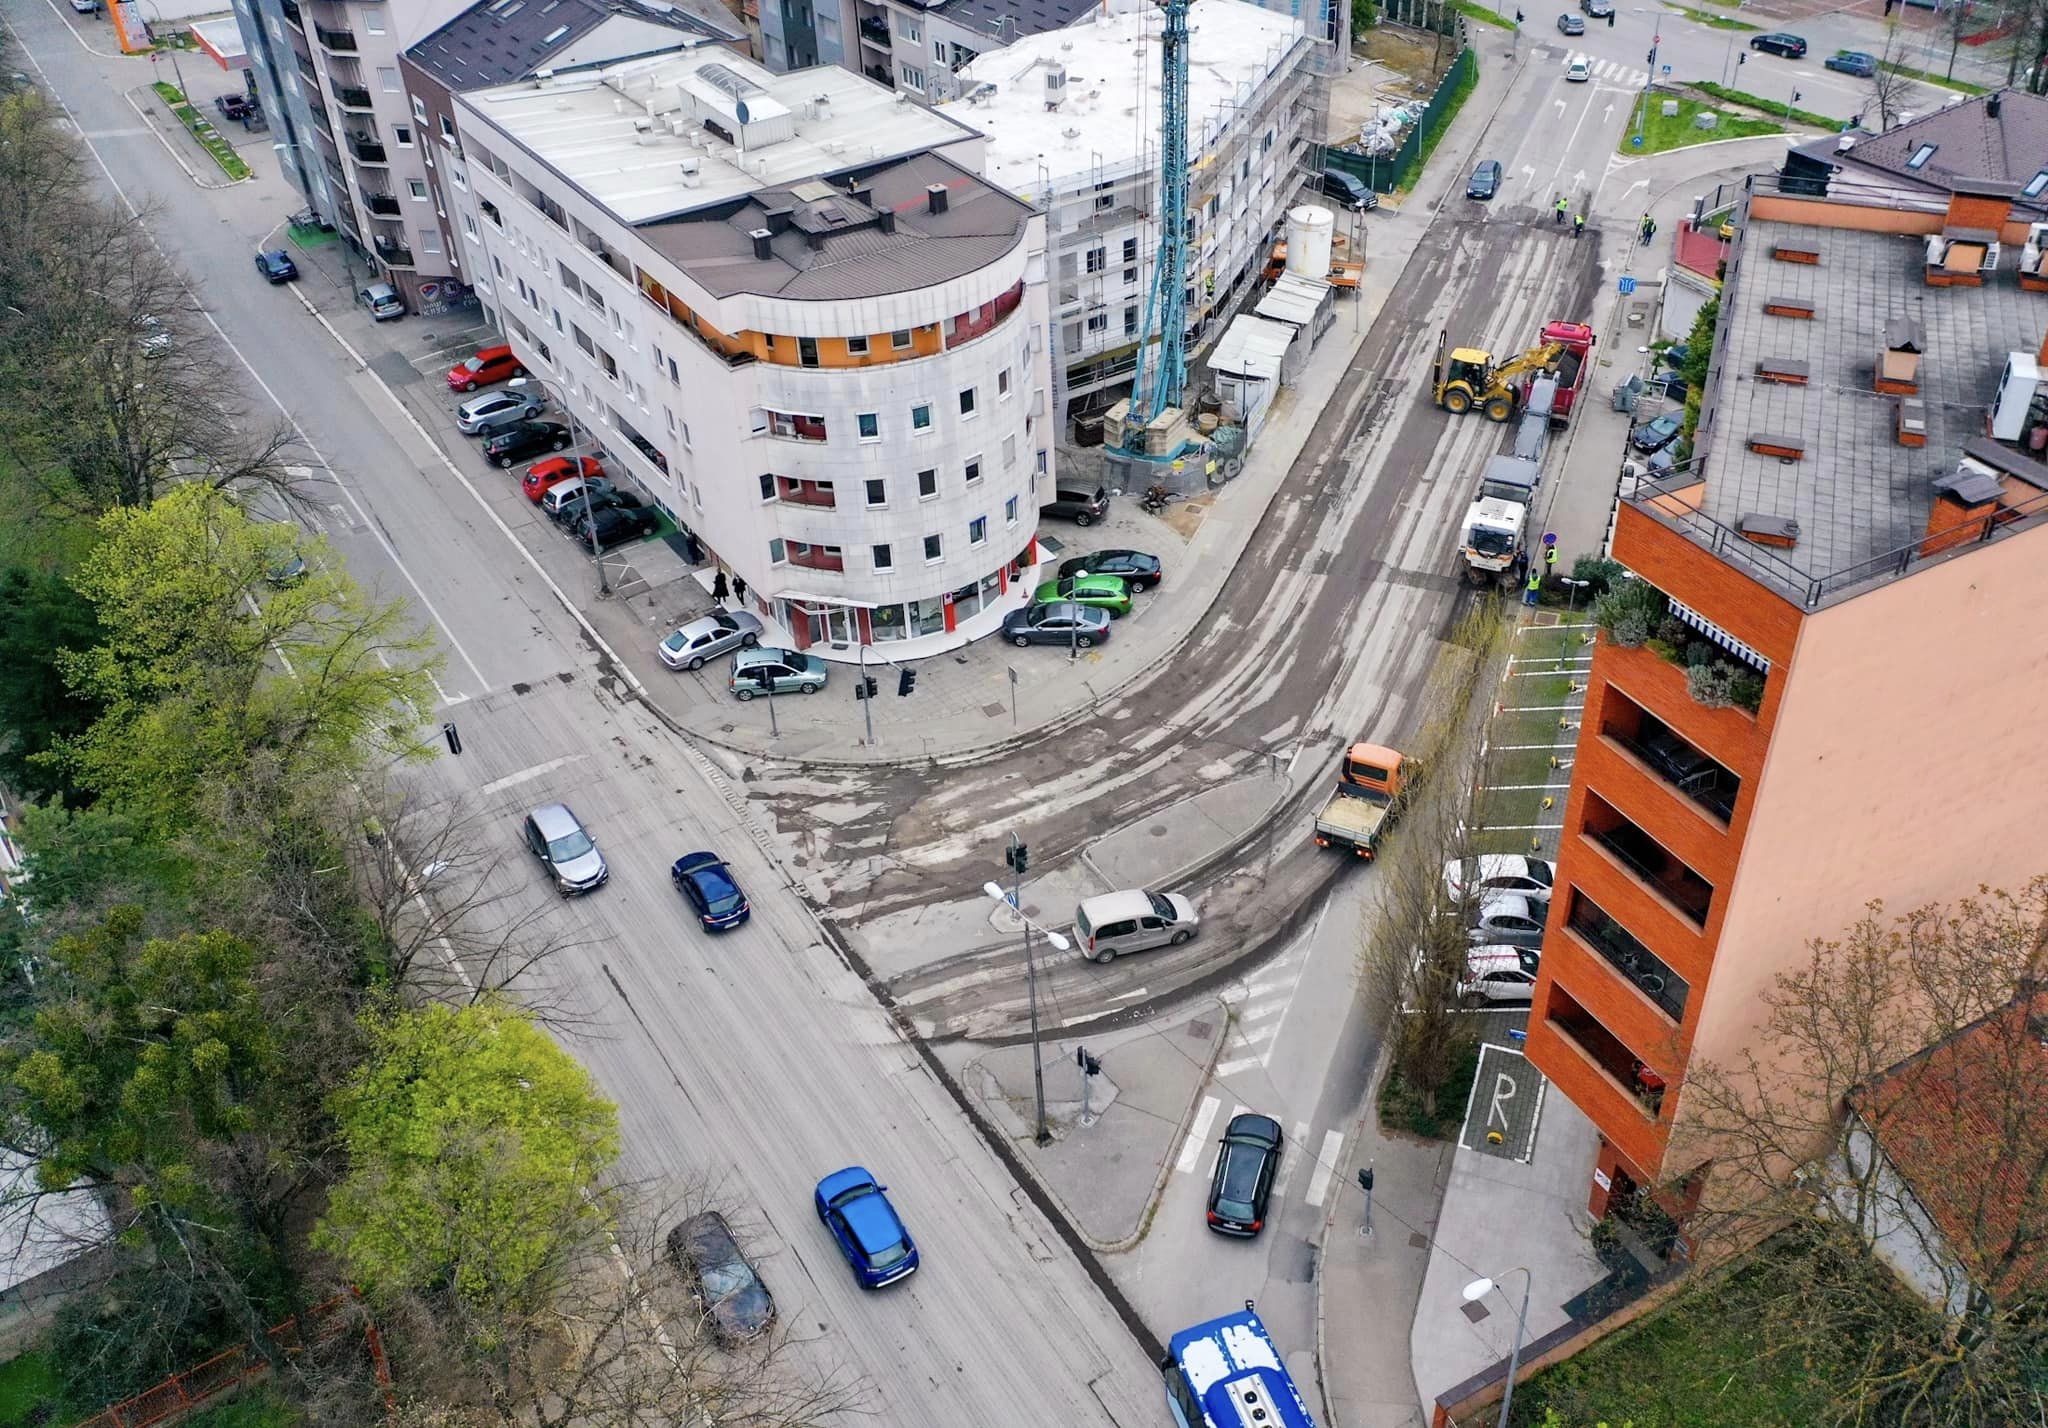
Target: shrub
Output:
[(1711, 683), (1597, 573), (1629, 612)]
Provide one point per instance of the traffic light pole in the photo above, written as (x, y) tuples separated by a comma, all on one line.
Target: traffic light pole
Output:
[(867, 705), (1017, 856)]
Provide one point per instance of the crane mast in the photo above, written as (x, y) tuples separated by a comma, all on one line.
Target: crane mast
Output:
[(1162, 369)]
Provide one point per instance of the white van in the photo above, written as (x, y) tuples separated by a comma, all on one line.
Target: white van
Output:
[(1132, 921)]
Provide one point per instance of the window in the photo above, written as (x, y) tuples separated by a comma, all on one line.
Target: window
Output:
[(767, 487), (469, 228), (402, 134), (675, 375), (856, 347), (582, 338), (878, 492), (921, 417), (447, 128), (1099, 322), (973, 469), (1098, 259), (967, 402), (387, 80), (807, 351), (1010, 511), (870, 426), (1009, 451), (883, 559), (2036, 186), (418, 189), (1130, 277), (927, 485), (1104, 197), (900, 339), (777, 551), (430, 240), (1003, 383), (909, 30), (1130, 319), (934, 550), (977, 531), (914, 78), (1130, 250), (1921, 155), (373, 23), (419, 109)]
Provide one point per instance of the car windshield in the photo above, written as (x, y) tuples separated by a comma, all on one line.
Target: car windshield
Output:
[(569, 846), (719, 906), (1161, 906), (1492, 542), (474, 364), (722, 1281), (675, 641)]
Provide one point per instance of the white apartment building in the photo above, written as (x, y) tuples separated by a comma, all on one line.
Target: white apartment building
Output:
[(1072, 120), (790, 308)]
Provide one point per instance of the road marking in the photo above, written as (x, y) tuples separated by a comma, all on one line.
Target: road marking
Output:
[(1287, 1165), (499, 785), (1326, 1166), (1191, 1148), (1217, 1158), (1131, 996), (1243, 1063)]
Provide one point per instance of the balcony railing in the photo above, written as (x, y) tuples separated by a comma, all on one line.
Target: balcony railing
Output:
[(789, 427), (875, 32), (384, 205), (879, 76), (291, 13), (1642, 855), (815, 557), (366, 149), (394, 255), (1628, 956), (352, 96), (1607, 1051), (806, 493), (659, 298), (307, 68), (984, 319), (340, 41), (1675, 762)]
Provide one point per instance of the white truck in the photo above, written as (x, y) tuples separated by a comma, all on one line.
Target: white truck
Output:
[(1496, 525)]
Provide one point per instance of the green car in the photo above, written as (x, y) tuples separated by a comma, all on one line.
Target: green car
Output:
[(1104, 592)]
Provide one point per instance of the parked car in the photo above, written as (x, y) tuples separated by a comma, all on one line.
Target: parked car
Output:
[(1657, 433), (1134, 567), (767, 670), (152, 337), (1675, 355), (708, 883), (1347, 189), (1060, 624), (700, 640), (566, 498), (1673, 385), (1509, 919), (493, 411), (1598, 9), (523, 439), (1490, 873), (1780, 43), (543, 476), (1854, 62), (726, 1288), (1082, 505), (1571, 24), (490, 364), (1135, 920), (382, 300), (1499, 974), (1579, 71), (288, 571), (855, 1207), (86, 7), (1243, 1182), (276, 265), (616, 525), (234, 106), (1099, 592), (566, 849), (579, 518), (1485, 180)]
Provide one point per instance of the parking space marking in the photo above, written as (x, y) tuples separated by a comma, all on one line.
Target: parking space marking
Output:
[(1326, 1166), (1198, 1133)]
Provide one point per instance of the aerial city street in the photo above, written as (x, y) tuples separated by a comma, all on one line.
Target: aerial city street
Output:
[(949, 713)]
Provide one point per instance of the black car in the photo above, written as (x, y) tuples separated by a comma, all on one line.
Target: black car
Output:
[(234, 106), (1676, 355), (524, 439), (1485, 181), (276, 265), (729, 1294), (1135, 568), (1244, 1175), (1571, 24), (578, 515), (1780, 43), (1083, 505), (1657, 433), (619, 525), (1060, 623), (1347, 189)]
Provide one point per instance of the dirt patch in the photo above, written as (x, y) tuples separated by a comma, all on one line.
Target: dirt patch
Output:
[(1184, 518), (1417, 62)]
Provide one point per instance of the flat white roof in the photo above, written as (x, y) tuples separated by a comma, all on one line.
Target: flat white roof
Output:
[(1110, 116), (1252, 347), (1293, 298), (625, 133)]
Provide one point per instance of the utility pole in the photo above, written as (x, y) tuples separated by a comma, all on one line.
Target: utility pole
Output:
[(1017, 856), (867, 702)]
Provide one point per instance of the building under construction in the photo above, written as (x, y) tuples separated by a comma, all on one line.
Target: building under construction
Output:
[(1072, 118)]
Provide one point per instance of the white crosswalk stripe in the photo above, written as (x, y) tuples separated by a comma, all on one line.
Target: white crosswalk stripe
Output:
[(1292, 1158), (1198, 1135), (1265, 999), (1326, 1165)]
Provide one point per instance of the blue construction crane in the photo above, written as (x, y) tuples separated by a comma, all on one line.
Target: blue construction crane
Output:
[(1163, 364)]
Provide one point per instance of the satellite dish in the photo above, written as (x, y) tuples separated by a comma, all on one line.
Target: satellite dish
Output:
[(740, 109)]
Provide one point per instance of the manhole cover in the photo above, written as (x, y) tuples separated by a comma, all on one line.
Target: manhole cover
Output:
[(1201, 1030), (1475, 1311), (1157, 830), (994, 711), (1418, 1241)]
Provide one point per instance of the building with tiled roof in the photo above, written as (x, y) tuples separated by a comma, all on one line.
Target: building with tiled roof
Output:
[(2001, 137)]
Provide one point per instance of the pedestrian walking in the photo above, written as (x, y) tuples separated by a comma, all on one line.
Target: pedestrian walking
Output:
[(1530, 591), (1563, 207), (1578, 225), (719, 589), (739, 587), (1610, 17), (1645, 229)]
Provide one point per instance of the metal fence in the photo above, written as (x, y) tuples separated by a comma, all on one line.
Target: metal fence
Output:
[(1383, 173)]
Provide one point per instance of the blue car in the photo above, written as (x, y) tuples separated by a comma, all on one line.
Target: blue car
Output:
[(855, 1208), (708, 883)]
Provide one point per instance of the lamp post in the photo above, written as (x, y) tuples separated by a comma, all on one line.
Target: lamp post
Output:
[(604, 584), (1479, 1289), (1014, 899)]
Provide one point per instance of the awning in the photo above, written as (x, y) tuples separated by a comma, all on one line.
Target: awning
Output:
[(1720, 636), (834, 601)]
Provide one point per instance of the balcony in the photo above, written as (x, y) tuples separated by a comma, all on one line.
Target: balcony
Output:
[(366, 149), (1647, 972), (392, 254), (985, 319), (291, 13), (814, 557), (1685, 890), (1670, 758), (341, 42), (352, 96), (805, 493), (880, 76), (788, 426), (875, 32), (308, 69), (384, 205)]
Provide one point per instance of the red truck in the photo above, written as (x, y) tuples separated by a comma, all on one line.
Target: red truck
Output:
[(1574, 365)]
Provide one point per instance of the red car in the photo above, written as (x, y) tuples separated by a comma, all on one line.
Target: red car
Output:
[(491, 364), (543, 476)]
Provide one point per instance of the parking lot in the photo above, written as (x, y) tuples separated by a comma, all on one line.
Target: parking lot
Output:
[(1526, 767)]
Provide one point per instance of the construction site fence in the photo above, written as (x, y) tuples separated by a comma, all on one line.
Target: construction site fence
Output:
[(1383, 173)]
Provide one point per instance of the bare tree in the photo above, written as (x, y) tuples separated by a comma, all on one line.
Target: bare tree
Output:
[(1900, 1067), (1891, 89)]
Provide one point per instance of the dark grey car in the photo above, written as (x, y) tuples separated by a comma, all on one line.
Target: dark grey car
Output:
[(1059, 623), (735, 1304), (565, 849), (1485, 180)]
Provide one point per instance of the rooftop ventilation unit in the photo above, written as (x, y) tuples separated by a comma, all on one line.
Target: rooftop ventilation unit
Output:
[(1055, 86)]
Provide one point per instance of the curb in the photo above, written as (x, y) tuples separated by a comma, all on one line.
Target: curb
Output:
[(172, 149)]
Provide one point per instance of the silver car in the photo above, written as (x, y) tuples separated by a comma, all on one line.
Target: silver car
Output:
[(716, 633), (488, 411), (565, 849), (1509, 919), (772, 671)]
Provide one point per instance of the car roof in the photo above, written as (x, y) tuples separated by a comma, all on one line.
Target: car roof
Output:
[(692, 865), (1497, 957), (1263, 1128), (554, 819), (1116, 906), (707, 1240), (768, 654), (1510, 903)]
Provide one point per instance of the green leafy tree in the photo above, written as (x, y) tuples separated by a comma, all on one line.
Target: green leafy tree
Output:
[(475, 1148), (46, 618), (209, 663)]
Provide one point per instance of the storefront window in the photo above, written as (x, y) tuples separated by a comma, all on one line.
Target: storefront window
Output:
[(966, 600), (928, 616), (887, 623)]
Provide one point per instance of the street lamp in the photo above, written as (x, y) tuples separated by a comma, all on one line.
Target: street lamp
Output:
[(1479, 1289), (604, 585), (1014, 899)]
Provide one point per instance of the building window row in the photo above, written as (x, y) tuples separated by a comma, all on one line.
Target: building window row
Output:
[(881, 555)]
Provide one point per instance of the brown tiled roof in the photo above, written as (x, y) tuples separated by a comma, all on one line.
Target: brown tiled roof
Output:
[(1963, 1124)]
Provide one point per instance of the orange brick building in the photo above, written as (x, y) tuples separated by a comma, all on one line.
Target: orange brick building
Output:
[(1843, 690)]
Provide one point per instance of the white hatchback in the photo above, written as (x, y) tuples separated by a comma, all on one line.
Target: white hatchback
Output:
[(1578, 71)]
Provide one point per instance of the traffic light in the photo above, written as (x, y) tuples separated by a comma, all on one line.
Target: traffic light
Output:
[(1017, 858), (906, 680), (866, 688)]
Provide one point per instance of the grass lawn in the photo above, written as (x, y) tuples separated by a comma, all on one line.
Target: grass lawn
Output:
[(1661, 134), (29, 1391), (1775, 108), (1401, 1109), (223, 152), (1467, 81), (1522, 739), (253, 1407), (1471, 10), (1709, 19), (1928, 76)]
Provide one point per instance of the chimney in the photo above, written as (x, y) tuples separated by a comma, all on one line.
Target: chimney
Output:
[(935, 198), (778, 217), (1964, 503), (761, 248), (887, 219)]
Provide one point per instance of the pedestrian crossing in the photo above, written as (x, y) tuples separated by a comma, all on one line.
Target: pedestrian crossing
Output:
[(1612, 71), (1203, 1145), (1260, 1012)]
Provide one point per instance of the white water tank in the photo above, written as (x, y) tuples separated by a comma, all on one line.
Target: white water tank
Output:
[(1309, 230)]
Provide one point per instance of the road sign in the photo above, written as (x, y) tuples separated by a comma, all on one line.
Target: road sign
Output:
[(1550, 537), (1667, 71), (1626, 286), (1635, 141)]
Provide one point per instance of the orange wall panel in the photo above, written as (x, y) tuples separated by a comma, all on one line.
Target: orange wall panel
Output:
[(1761, 619)]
